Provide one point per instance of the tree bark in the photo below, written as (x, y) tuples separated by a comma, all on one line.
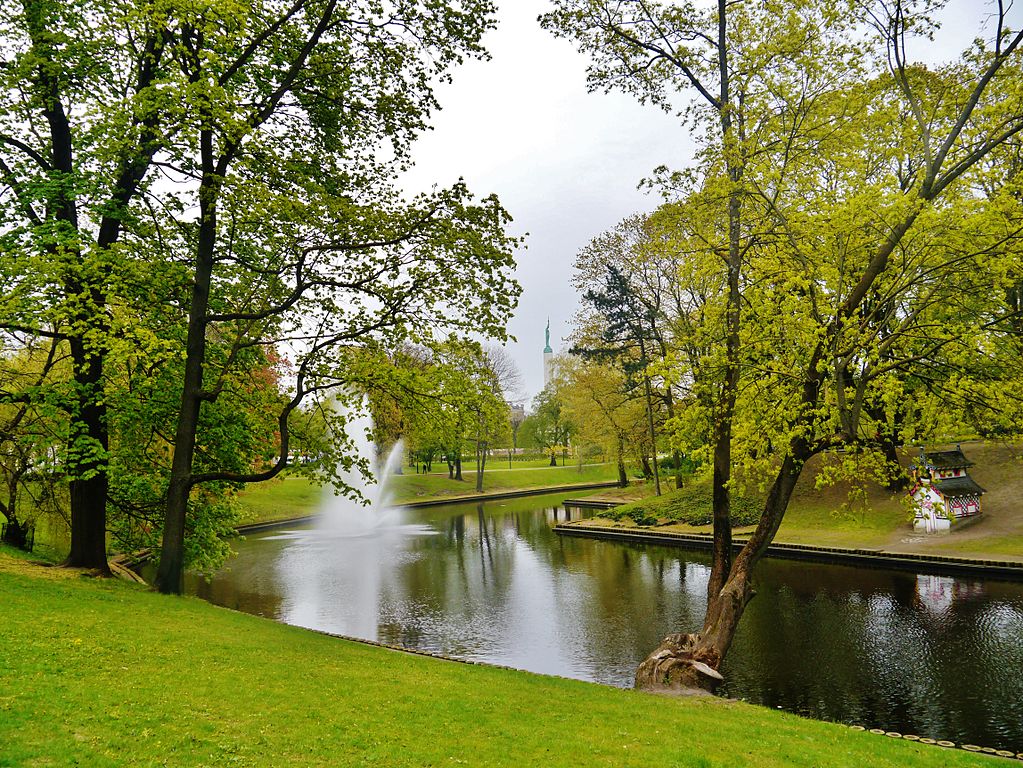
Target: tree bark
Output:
[(690, 661), (89, 484), (725, 410), (623, 478), (170, 575), (482, 467), (653, 434)]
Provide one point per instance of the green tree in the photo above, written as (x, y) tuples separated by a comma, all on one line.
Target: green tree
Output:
[(599, 399), (547, 427), (321, 82), (32, 440), (86, 88), (821, 278)]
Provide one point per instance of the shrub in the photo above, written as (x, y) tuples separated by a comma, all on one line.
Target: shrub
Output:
[(692, 505)]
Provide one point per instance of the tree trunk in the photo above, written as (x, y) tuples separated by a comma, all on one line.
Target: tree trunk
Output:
[(458, 467), (554, 459), (170, 574), (623, 478), (647, 473), (724, 412), (691, 661), (676, 457), (653, 435), (15, 532), (483, 466), (89, 493), (898, 480)]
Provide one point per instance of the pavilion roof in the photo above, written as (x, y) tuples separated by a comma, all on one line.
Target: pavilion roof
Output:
[(955, 487), (947, 459)]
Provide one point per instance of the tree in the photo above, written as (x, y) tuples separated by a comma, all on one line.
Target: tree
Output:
[(600, 401), (832, 225), (30, 438), (77, 141), (641, 265), (547, 427), (320, 82)]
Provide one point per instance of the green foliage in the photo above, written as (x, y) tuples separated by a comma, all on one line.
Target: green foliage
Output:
[(275, 228), (692, 505), (547, 427)]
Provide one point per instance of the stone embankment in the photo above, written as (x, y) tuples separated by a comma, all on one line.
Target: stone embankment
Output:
[(872, 557)]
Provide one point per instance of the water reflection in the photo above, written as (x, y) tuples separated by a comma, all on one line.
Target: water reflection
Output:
[(922, 654)]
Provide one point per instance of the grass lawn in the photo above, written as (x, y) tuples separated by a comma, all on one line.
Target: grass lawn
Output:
[(296, 496), (101, 673)]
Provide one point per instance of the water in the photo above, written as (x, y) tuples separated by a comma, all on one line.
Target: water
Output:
[(936, 656)]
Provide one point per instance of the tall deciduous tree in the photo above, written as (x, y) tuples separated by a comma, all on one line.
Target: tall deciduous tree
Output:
[(84, 94), (829, 280), (605, 408), (548, 426), (319, 255)]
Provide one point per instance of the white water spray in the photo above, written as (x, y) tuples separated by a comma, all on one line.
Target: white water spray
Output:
[(341, 515)]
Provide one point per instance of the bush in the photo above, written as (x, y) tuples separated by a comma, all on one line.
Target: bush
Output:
[(686, 464), (693, 505)]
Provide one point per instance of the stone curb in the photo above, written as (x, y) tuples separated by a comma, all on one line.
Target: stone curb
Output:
[(944, 743), (872, 557), (253, 527)]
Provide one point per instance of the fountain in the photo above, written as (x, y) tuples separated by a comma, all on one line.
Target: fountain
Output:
[(334, 573), (340, 515)]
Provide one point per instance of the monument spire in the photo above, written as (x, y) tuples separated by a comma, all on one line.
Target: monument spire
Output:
[(548, 356)]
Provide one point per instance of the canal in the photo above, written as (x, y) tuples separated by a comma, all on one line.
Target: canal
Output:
[(936, 656)]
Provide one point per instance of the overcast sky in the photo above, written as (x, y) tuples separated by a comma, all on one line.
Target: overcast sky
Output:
[(565, 163)]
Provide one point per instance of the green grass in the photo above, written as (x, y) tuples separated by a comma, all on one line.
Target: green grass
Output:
[(296, 496), (101, 673), (412, 487), (879, 519), (280, 499)]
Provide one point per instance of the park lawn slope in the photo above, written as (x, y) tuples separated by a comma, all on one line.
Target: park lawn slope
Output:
[(826, 517), (102, 673), (293, 496)]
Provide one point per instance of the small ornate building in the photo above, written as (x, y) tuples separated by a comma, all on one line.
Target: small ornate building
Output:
[(945, 495)]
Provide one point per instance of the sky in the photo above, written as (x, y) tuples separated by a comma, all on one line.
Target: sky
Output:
[(565, 163)]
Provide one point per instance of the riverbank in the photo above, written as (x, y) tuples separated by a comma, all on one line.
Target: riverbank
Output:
[(482, 498), (823, 517), (292, 497), (874, 558), (182, 682)]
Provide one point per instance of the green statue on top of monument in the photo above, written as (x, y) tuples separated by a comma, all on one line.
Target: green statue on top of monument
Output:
[(547, 338)]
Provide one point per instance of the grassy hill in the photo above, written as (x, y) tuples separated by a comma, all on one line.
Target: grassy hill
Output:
[(825, 516), (101, 673)]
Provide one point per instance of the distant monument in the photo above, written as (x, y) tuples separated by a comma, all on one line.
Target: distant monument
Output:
[(548, 356)]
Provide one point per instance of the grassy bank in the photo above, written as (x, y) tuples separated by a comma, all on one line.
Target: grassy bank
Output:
[(101, 673), (296, 496), (824, 516)]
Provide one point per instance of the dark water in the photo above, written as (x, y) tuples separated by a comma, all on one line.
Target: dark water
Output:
[(930, 655)]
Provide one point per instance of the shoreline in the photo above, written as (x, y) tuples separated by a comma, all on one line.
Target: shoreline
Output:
[(443, 501), (1008, 570)]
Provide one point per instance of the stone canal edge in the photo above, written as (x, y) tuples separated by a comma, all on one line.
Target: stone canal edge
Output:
[(877, 558)]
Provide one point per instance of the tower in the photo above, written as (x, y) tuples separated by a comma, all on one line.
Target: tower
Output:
[(548, 356)]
